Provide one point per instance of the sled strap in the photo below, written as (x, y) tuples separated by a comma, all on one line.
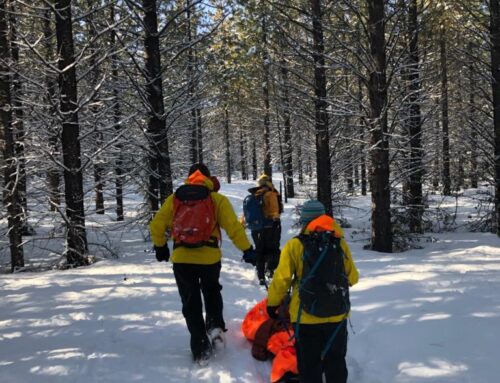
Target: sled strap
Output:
[(297, 324), (328, 345)]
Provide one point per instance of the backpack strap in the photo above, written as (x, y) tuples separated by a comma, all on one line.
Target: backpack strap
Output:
[(213, 242)]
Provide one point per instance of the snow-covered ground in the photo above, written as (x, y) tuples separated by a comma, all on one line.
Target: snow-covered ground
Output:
[(429, 315)]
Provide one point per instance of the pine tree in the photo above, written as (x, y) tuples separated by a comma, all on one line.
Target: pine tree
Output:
[(160, 178), (377, 91), (12, 197), (323, 165), (73, 177)]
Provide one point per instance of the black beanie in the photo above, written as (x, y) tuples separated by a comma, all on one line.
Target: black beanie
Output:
[(201, 167)]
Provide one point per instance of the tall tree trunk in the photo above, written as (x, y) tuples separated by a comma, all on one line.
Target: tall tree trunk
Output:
[(444, 112), (199, 135), (282, 156), (192, 87), (268, 169), (19, 131), (243, 156), (194, 134), (117, 115), (300, 163), (73, 179), (436, 169), (473, 176), (323, 168), (53, 174), (377, 90), (495, 71), (364, 181), (254, 160), (228, 144), (362, 145), (119, 160), (458, 179), (349, 167), (415, 123), (12, 197), (287, 133), (94, 109), (160, 178), (356, 174)]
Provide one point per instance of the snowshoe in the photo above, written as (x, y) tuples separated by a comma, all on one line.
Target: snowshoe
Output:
[(261, 277), (203, 358), (269, 274), (217, 338)]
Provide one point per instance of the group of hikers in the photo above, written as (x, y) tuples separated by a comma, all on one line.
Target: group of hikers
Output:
[(310, 277)]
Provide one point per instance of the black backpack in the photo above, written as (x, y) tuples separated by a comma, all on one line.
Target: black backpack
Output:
[(324, 287)]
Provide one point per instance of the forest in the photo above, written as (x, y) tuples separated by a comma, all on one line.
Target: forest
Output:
[(104, 99)]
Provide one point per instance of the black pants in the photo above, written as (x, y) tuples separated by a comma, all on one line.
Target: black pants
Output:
[(192, 282), (267, 247), (310, 344)]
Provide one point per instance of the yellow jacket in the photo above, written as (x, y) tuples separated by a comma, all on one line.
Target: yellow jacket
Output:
[(224, 216), (289, 273)]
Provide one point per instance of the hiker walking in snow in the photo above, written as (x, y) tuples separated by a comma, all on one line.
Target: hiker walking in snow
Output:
[(262, 210), (193, 216), (318, 265)]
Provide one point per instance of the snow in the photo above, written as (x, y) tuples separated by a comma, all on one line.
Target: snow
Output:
[(426, 315)]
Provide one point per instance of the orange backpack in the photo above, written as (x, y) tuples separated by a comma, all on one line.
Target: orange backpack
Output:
[(194, 217)]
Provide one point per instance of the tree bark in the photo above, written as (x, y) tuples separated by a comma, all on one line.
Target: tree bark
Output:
[(53, 174), (495, 71), (18, 123), (282, 156), (94, 109), (323, 168), (117, 115), (254, 160), (12, 197), (192, 87), (473, 175), (228, 144), (356, 175), (415, 123), (287, 133), (243, 157), (362, 145), (199, 135), (268, 169), (160, 178), (300, 165), (73, 178), (444, 113), (377, 91), (349, 167)]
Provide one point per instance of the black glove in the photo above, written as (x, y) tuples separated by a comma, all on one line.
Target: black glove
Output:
[(249, 256), (162, 253), (273, 312)]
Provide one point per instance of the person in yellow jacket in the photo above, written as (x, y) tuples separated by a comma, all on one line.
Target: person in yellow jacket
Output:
[(267, 240), (321, 342), (197, 267)]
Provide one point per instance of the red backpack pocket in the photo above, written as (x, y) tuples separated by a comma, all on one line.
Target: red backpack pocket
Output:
[(194, 217)]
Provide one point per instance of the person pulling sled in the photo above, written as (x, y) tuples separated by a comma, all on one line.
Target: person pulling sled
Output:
[(318, 266), (193, 216)]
